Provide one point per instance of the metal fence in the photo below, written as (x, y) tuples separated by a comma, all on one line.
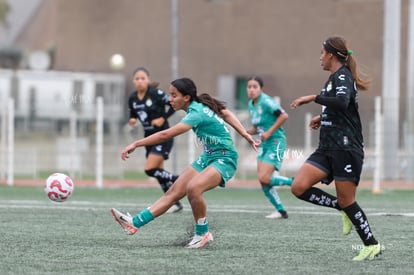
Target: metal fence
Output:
[(39, 152), (43, 131)]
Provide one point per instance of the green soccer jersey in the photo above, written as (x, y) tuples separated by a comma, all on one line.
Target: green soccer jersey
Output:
[(210, 129), (263, 116), (341, 127)]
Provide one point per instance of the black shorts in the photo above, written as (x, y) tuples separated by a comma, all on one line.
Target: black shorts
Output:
[(162, 149), (339, 165)]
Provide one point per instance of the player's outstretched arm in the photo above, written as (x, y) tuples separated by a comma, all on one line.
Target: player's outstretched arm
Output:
[(231, 119), (156, 138), (302, 100)]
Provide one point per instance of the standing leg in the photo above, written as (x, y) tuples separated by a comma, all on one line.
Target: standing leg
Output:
[(208, 179), (274, 199), (265, 173), (346, 191)]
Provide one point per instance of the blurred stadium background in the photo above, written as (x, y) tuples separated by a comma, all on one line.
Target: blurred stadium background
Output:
[(55, 63)]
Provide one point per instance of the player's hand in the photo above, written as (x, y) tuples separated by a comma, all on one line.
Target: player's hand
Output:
[(315, 123), (253, 143), (132, 122), (127, 151), (265, 136)]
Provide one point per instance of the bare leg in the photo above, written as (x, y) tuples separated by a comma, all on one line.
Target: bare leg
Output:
[(176, 192), (209, 178)]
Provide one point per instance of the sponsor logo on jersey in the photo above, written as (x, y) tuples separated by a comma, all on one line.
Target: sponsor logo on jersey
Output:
[(326, 123), (329, 86), (137, 106), (346, 141), (341, 90), (142, 115)]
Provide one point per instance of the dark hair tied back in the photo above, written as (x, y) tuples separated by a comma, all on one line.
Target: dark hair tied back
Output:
[(186, 86)]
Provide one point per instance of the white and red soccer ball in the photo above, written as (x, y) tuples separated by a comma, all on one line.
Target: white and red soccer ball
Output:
[(59, 187)]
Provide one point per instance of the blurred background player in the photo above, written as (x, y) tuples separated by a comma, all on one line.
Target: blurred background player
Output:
[(150, 106), (214, 167), (267, 118), (340, 153)]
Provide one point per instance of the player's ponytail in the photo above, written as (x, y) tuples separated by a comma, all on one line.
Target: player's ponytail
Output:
[(216, 105), (338, 47), (186, 86), (362, 84)]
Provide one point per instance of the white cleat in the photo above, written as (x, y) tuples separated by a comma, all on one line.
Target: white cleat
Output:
[(125, 220), (274, 215), (200, 241)]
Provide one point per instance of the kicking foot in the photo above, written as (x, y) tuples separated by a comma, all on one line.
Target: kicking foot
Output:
[(125, 220)]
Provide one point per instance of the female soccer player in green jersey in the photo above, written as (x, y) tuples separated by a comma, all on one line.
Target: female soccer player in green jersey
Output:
[(215, 166), (340, 154), (267, 118)]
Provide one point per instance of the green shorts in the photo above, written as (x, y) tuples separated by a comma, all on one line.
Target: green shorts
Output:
[(272, 152), (225, 162)]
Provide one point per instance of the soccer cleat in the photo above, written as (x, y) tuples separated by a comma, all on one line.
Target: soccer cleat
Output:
[(346, 223), (274, 215), (175, 208), (200, 241), (125, 221), (278, 215), (284, 214), (368, 253)]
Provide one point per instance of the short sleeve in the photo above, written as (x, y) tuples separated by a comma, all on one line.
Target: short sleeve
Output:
[(192, 118), (271, 105)]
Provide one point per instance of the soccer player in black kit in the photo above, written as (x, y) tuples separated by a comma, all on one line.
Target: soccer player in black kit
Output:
[(151, 107), (340, 154)]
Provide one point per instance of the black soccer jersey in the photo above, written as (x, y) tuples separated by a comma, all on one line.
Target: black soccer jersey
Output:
[(340, 122), (155, 104)]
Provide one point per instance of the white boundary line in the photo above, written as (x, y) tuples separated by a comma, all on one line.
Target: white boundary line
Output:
[(99, 206)]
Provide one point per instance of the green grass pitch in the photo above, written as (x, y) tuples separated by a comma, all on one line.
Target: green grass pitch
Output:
[(80, 236)]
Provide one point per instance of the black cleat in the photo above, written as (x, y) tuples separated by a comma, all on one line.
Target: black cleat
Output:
[(284, 214)]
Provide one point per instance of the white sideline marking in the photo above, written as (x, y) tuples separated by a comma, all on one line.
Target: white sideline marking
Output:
[(98, 206)]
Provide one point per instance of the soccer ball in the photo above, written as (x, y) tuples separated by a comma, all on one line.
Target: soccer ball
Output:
[(59, 187)]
